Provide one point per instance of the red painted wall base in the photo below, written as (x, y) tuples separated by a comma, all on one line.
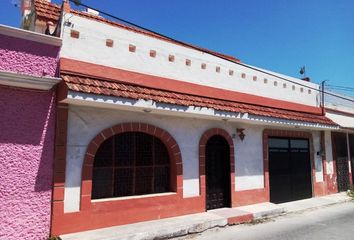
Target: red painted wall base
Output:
[(125, 212), (248, 197)]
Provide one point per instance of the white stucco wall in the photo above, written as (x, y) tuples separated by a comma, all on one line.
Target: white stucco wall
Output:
[(249, 159), (91, 47), (349, 154), (85, 122), (343, 120), (329, 153), (344, 104), (317, 156), (340, 106)]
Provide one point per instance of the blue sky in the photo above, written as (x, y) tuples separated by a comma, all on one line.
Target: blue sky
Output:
[(278, 35)]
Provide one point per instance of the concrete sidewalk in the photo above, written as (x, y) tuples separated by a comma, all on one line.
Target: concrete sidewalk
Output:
[(196, 223)]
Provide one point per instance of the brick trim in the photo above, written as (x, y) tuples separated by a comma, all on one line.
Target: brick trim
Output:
[(66, 6), (103, 72), (74, 34), (109, 42), (176, 178), (290, 134), (93, 214), (59, 161), (60, 147), (202, 144)]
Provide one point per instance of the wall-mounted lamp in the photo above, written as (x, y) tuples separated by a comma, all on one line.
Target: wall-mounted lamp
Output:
[(240, 133)]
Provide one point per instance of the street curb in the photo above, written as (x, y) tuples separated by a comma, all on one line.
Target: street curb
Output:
[(187, 229), (318, 207)]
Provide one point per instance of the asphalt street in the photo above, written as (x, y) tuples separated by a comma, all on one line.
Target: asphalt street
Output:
[(335, 222)]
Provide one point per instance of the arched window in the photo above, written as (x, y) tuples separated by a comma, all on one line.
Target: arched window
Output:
[(130, 163)]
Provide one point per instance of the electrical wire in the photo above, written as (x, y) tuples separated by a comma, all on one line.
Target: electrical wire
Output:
[(340, 89), (330, 85), (343, 88), (339, 96), (79, 3)]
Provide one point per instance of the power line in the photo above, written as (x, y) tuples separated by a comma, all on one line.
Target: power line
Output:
[(341, 87), (79, 3), (189, 45), (339, 96), (338, 86)]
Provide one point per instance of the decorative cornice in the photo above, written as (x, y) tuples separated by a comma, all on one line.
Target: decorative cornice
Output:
[(147, 106), (29, 35), (27, 81)]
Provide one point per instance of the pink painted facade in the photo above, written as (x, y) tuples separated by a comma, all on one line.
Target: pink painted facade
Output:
[(28, 57), (27, 132)]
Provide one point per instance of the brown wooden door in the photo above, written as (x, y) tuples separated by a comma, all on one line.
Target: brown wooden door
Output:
[(217, 173)]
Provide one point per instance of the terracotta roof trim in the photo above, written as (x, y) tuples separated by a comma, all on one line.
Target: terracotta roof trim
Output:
[(46, 10), (100, 87), (111, 74)]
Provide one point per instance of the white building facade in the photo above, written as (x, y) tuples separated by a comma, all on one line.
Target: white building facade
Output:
[(340, 109), (149, 128)]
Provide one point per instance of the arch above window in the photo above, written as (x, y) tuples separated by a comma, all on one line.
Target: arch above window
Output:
[(171, 146), (130, 163)]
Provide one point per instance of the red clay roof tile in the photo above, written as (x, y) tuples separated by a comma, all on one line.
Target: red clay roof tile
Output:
[(110, 74), (46, 11), (102, 87)]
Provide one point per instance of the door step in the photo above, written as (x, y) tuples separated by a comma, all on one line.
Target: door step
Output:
[(233, 216)]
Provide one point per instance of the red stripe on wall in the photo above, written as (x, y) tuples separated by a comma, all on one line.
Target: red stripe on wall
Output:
[(125, 76)]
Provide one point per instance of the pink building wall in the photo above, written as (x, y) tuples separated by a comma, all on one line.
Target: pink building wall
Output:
[(27, 130), (28, 57)]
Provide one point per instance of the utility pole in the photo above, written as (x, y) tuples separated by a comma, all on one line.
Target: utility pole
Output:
[(323, 96)]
